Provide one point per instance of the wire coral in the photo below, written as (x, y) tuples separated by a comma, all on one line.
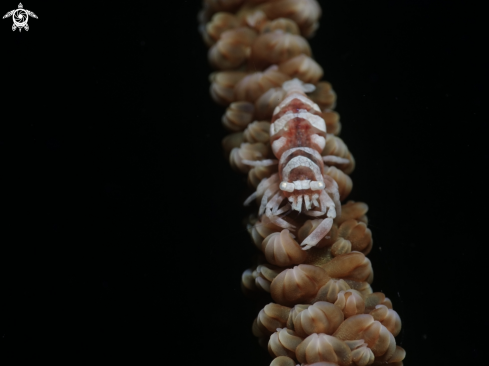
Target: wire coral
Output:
[(284, 136)]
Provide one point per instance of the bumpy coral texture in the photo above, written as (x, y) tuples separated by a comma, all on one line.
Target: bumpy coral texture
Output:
[(322, 309)]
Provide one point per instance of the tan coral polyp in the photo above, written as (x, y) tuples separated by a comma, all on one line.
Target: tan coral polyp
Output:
[(232, 49), (333, 124), (335, 146), (219, 23), (357, 234), (246, 151), (323, 347), (350, 302), (321, 317), (257, 131), (267, 102), (262, 229), (353, 210), (298, 285), (223, 84), (344, 182), (271, 317), (302, 67), (282, 250), (363, 326), (353, 266), (324, 96), (376, 298), (341, 246), (238, 116), (388, 318), (283, 361), (281, 24), (276, 47), (303, 12), (361, 354), (231, 141), (329, 292), (254, 85), (283, 343), (258, 173)]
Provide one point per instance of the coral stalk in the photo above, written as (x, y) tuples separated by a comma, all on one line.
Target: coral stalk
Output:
[(284, 136)]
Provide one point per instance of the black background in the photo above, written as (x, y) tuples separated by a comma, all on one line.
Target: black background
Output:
[(122, 235)]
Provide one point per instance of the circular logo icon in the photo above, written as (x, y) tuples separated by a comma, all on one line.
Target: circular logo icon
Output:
[(20, 17)]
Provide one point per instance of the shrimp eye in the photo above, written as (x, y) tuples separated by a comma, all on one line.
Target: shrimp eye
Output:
[(316, 186), (288, 187)]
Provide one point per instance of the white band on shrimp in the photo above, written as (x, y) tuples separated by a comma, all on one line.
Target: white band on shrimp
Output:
[(335, 159), (313, 119), (307, 150), (278, 144), (299, 161), (320, 141), (299, 96)]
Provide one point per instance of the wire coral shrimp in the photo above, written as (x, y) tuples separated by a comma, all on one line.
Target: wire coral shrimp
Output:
[(298, 136)]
